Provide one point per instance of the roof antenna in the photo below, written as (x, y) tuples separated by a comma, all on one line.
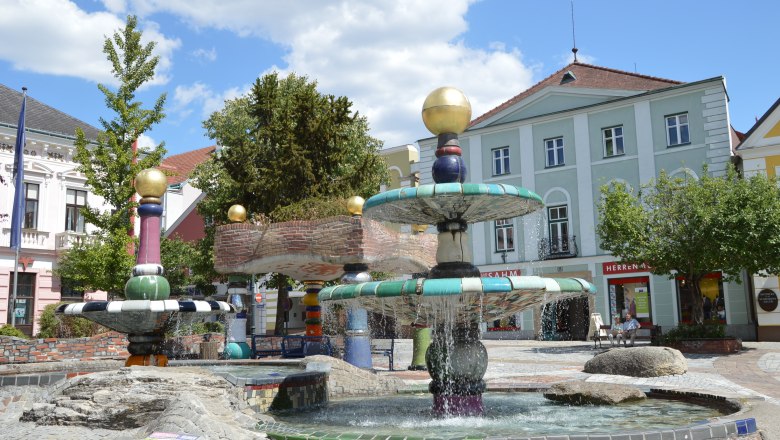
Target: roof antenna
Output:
[(573, 39)]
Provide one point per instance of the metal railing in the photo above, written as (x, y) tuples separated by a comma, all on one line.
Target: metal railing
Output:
[(560, 247)]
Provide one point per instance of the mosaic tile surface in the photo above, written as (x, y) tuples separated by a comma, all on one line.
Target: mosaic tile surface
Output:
[(143, 316), (434, 203), (486, 298)]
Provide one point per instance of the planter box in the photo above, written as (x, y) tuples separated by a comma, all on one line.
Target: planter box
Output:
[(712, 346)]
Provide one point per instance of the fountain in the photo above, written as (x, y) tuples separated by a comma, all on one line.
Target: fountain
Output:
[(454, 299), (147, 312)]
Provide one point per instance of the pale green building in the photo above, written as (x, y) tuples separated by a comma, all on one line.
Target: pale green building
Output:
[(563, 138)]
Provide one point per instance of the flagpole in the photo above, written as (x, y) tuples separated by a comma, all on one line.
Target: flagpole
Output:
[(16, 285), (16, 221)]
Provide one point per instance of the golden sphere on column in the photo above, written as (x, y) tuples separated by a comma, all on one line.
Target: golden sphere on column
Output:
[(355, 205), (446, 110), (237, 213), (151, 182), (419, 228)]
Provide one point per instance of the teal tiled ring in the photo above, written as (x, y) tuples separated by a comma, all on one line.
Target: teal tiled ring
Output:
[(434, 203), (486, 298)]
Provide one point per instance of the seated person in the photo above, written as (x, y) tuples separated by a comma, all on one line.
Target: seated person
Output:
[(629, 330), (617, 328)]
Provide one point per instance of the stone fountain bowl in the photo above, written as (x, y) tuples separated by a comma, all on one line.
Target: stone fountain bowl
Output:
[(144, 316), (485, 298)]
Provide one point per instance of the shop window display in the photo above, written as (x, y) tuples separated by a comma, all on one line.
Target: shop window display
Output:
[(713, 303), (630, 295)]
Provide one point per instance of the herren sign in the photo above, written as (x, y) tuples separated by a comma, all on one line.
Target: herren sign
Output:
[(614, 268)]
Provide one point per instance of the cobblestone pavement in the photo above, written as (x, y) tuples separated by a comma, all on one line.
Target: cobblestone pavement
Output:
[(751, 376)]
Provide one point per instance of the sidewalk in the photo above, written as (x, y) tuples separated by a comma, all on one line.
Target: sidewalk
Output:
[(751, 376)]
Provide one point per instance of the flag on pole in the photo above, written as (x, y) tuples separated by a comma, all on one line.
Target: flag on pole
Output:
[(18, 211)]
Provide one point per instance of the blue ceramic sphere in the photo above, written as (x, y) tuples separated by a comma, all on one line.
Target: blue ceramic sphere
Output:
[(449, 169)]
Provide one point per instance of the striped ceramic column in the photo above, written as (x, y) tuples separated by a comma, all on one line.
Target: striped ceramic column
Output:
[(313, 319)]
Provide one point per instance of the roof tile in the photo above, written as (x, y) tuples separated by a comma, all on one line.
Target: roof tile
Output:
[(587, 76), (179, 166)]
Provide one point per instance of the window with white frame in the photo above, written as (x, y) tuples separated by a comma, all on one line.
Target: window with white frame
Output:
[(500, 161), (558, 226), (677, 130), (31, 206), (613, 141), (505, 235), (554, 151), (74, 201)]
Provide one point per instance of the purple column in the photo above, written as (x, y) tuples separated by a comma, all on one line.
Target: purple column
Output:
[(149, 247)]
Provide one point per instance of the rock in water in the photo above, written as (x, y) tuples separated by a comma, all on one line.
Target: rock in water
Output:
[(579, 392), (638, 362)]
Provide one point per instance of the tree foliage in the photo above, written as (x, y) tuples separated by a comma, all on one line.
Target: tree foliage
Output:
[(178, 257), (110, 165), (289, 152), (689, 228)]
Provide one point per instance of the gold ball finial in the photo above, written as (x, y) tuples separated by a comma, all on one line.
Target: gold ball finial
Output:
[(446, 110), (151, 182), (237, 214), (355, 205), (419, 229)]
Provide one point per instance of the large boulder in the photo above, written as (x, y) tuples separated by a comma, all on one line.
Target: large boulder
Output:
[(638, 362), (579, 392)]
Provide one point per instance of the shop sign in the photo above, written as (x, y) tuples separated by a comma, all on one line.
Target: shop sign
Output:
[(501, 273), (767, 300), (615, 268)]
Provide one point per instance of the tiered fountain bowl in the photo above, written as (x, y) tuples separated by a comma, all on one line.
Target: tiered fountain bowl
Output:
[(454, 299), (147, 313)]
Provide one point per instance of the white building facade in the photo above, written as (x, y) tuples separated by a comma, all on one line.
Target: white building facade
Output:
[(54, 191)]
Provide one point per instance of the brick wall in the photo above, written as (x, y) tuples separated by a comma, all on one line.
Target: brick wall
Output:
[(105, 345), (15, 350)]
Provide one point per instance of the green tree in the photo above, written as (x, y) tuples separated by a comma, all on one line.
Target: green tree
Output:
[(287, 148), (111, 163), (688, 228), (178, 258)]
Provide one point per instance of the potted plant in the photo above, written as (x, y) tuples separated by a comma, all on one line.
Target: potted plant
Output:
[(701, 338)]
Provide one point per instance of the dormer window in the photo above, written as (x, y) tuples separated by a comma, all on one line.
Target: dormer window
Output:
[(568, 77)]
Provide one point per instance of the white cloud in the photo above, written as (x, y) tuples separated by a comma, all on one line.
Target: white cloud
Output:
[(56, 37), (209, 55), (199, 94), (385, 55), (568, 58), (145, 141)]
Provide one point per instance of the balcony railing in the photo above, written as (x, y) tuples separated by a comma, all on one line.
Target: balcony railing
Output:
[(66, 240), (554, 248), (31, 239)]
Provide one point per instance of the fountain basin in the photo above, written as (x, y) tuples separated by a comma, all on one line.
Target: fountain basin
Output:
[(507, 415), (431, 204), (144, 316), (486, 298)]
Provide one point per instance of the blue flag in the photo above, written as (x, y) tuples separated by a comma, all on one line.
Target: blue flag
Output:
[(18, 213)]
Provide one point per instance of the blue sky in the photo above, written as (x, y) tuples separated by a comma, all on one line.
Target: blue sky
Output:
[(385, 55)]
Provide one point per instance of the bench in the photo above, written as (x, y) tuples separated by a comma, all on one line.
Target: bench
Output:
[(601, 333), (266, 346), (295, 346), (385, 347)]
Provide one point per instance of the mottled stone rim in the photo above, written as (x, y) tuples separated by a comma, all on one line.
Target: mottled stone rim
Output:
[(465, 190), (456, 286)]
